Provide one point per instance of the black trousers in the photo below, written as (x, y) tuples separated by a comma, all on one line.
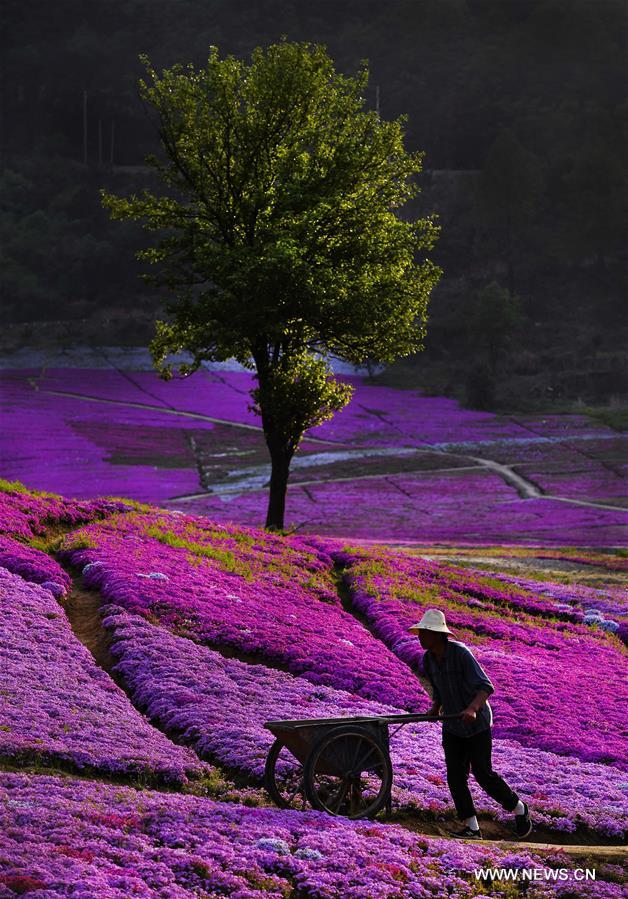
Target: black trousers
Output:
[(463, 754)]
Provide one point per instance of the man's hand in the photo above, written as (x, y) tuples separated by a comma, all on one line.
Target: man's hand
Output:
[(469, 716)]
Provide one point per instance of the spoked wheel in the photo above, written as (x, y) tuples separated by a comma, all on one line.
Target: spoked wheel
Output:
[(283, 778), (348, 772)]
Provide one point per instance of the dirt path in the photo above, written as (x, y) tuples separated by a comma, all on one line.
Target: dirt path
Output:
[(497, 833), (83, 610)]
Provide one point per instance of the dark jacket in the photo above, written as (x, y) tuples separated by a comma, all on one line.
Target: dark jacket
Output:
[(456, 682)]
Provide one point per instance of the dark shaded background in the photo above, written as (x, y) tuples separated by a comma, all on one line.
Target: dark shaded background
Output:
[(520, 106)]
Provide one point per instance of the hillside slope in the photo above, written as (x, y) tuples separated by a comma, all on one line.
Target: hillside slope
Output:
[(199, 632)]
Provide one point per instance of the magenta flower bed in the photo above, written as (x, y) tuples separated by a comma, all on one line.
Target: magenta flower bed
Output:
[(59, 707), (377, 415), (54, 439), (219, 706), (34, 565), (214, 394), (73, 446), (611, 602), (260, 595), (458, 506), (544, 676), (599, 485), (97, 840), (25, 514)]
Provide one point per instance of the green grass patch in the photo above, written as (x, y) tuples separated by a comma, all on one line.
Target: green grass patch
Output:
[(18, 487), (225, 557)]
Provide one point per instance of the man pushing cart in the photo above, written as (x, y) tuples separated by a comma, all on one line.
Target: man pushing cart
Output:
[(461, 690), (345, 766)]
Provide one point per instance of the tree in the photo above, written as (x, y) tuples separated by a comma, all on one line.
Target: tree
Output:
[(282, 242)]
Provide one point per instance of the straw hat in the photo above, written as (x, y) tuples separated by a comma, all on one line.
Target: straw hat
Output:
[(433, 620)]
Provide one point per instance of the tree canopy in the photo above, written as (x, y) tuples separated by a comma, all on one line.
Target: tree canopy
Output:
[(278, 233)]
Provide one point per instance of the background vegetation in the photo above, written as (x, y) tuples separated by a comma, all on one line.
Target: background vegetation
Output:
[(520, 106)]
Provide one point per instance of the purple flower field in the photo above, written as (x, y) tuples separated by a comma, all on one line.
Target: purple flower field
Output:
[(521, 650), (219, 706), (198, 627), (426, 464), (95, 840), (239, 591), (59, 708), (454, 507), (34, 566)]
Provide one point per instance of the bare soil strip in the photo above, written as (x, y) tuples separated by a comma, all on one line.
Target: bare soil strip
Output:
[(583, 841), (83, 610)]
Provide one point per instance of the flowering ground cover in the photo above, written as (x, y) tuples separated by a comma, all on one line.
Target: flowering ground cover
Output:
[(85, 432), (65, 444), (533, 555), (25, 520), (214, 629), (545, 674), (34, 565), (27, 514), (251, 592), (59, 708), (461, 506), (96, 840), (608, 605), (219, 706)]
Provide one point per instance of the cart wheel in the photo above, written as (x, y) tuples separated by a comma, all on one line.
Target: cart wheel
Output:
[(283, 778), (348, 772)]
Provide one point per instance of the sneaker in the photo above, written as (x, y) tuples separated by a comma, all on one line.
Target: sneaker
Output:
[(466, 834), (523, 824)]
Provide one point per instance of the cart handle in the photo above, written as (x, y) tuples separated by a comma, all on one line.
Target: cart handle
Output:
[(413, 718), (402, 720)]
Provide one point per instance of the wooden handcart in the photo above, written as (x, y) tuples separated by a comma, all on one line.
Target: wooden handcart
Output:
[(340, 766)]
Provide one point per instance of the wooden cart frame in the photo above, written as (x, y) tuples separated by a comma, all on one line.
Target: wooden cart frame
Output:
[(345, 767)]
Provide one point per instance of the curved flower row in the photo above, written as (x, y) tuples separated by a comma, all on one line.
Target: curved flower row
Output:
[(34, 565), (219, 706), (580, 600), (59, 707), (263, 597), (95, 840), (560, 687)]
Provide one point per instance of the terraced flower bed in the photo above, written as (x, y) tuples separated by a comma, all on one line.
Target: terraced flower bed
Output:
[(458, 506), (58, 708), (34, 565), (253, 593), (26, 514), (219, 706), (423, 463), (213, 629), (545, 674)]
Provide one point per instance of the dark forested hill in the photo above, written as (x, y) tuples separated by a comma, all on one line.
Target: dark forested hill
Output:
[(520, 106)]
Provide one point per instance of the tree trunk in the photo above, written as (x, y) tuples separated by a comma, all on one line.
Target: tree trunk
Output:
[(280, 458), (280, 445)]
